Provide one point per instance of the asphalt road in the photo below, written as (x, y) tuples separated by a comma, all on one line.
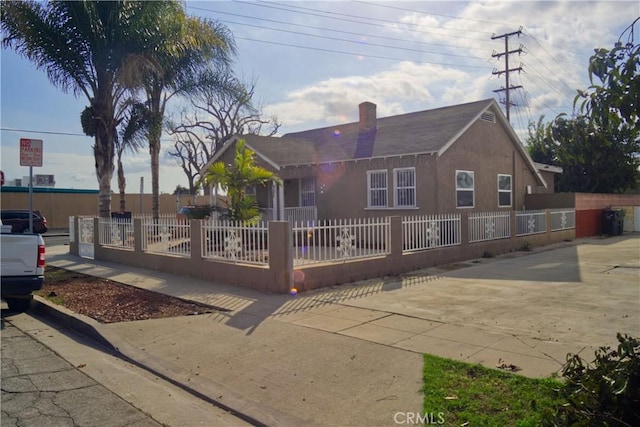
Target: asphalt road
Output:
[(41, 388)]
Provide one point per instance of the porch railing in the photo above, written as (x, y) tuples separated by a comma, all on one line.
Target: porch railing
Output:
[(294, 214)]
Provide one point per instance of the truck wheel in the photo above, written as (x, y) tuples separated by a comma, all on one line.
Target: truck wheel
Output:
[(19, 305)]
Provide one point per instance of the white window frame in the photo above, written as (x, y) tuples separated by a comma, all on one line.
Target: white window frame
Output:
[(250, 190), (397, 188), (306, 186), (510, 190), (370, 189), (472, 189)]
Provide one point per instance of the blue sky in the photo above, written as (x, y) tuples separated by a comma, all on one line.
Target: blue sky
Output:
[(314, 62)]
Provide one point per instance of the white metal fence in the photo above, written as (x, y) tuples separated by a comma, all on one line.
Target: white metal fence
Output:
[(563, 219), (485, 226), (340, 240), (531, 222), (235, 241), (166, 235), (430, 231), (116, 232), (85, 236)]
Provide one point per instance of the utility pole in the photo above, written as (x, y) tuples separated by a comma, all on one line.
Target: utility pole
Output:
[(507, 70)]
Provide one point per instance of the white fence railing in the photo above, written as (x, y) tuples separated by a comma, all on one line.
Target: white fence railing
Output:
[(485, 226), (430, 231), (340, 240), (166, 235), (563, 219), (295, 214), (116, 232), (531, 222), (72, 229), (236, 242)]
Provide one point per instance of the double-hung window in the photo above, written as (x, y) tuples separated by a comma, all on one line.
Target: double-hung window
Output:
[(465, 184), (504, 190), (308, 191), (377, 189), (405, 187)]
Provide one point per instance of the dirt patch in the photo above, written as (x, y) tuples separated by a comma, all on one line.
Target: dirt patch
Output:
[(108, 302)]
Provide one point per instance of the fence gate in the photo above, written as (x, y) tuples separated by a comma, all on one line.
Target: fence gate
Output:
[(85, 237)]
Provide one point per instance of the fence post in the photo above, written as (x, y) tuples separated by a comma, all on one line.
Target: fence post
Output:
[(96, 238), (74, 243), (547, 214), (464, 228), (280, 257), (513, 226), (396, 244), (196, 239), (137, 235)]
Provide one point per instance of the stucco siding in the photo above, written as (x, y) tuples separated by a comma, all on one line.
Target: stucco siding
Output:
[(487, 150)]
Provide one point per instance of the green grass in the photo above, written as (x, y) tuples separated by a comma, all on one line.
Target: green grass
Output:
[(480, 396)]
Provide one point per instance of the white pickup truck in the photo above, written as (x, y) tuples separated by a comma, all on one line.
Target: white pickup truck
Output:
[(22, 261)]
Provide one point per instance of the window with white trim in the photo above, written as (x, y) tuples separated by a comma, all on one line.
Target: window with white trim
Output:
[(308, 191), (504, 190), (377, 189), (465, 184), (250, 190), (405, 187)]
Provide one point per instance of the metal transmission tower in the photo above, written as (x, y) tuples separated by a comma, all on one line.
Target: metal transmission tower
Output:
[(507, 70)]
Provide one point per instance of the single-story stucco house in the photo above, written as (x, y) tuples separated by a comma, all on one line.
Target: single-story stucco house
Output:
[(461, 157)]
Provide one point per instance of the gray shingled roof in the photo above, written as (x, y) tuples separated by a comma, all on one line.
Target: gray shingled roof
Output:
[(413, 133)]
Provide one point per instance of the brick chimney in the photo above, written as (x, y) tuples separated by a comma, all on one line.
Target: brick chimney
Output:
[(367, 117)]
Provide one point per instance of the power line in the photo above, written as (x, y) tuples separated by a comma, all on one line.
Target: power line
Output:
[(361, 17), (354, 41), (275, 21), (359, 22), (43, 132), (428, 13), (362, 54)]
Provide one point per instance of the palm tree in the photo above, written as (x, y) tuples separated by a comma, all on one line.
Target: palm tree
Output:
[(93, 48), (130, 138), (235, 178), (189, 46)]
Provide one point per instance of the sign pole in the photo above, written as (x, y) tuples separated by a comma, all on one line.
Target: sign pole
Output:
[(30, 155), (30, 199)]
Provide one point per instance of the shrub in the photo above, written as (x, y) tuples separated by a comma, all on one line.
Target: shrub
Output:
[(604, 393)]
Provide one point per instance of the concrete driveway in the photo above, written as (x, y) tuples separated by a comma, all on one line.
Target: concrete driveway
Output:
[(578, 294)]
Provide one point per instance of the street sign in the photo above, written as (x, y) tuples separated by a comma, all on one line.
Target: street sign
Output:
[(30, 152)]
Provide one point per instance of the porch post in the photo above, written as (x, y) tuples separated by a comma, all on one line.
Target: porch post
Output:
[(274, 201), (281, 203)]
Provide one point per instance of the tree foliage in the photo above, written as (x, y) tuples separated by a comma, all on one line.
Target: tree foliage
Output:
[(234, 178), (221, 106), (599, 148), (95, 49), (189, 46), (603, 393)]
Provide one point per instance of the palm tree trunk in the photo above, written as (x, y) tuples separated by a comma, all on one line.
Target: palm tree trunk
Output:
[(154, 150), (103, 154), (122, 184)]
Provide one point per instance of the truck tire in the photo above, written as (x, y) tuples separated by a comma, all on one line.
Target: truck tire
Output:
[(19, 305)]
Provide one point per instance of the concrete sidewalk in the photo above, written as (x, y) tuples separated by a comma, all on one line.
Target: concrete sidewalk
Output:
[(352, 355)]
